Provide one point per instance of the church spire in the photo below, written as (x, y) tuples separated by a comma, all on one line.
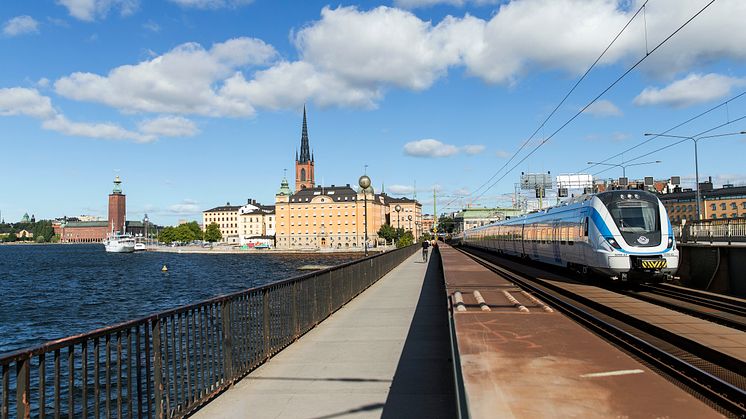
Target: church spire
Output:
[(305, 154)]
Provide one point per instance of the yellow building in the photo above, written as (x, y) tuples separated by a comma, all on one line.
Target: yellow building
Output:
[(726, 202), (408, 216), (226, 217), (327, 218)]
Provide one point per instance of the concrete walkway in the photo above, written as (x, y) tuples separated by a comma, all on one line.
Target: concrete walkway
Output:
[(384, 354)]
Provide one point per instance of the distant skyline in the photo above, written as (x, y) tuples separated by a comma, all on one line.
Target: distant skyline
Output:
[(195, 103)]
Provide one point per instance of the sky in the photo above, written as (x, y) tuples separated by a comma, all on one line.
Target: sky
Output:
[(195, 103)]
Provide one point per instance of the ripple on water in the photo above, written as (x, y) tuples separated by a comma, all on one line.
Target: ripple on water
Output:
[(49, 292)]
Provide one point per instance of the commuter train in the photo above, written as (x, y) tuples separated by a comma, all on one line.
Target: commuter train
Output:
[(623, 235)]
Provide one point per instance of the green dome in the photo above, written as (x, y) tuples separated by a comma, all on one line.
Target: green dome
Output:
[(284, 188)]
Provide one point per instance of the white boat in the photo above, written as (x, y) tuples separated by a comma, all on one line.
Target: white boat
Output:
[(119, 243), (140, 246)]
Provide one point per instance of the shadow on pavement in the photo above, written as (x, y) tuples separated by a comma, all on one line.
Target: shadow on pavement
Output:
[(423, 385)]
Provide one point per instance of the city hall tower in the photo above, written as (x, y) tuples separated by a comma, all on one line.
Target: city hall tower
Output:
[(117, 207)]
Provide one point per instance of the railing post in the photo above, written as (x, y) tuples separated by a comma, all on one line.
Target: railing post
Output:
[(23, 391), (157, 369), (265, 322), (227, 341), (294, 309)]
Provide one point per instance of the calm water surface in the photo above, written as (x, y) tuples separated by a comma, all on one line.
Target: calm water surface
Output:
[(54, 291)]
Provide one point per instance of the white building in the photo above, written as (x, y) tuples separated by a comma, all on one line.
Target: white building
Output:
[(256, 224)]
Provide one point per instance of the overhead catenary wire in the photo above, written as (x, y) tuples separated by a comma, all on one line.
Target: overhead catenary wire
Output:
[(627, 150), (567, 95), (603, 92)]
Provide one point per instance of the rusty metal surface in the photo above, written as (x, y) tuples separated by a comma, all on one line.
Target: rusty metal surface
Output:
[(536, 363)]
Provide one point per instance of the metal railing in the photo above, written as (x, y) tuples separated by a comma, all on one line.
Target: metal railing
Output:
[(170, 363), (718, 230)]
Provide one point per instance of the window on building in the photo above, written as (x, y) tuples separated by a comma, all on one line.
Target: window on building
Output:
[(733, 205), (713, 207), (723, 206), (714, 216), (733, 215)]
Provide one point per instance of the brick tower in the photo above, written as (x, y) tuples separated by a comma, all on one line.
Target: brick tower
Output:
[(304, 165), (117, 207)]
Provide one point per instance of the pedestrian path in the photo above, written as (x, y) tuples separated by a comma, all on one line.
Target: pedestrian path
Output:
[(384, 354)]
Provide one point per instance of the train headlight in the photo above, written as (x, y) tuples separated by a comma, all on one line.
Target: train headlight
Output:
[(670, 242), (613, 243)]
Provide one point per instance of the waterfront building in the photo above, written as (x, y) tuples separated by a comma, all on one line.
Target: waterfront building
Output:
[(327, 217), (256, 224), (25, 234), (409, 216), (226, 217), (427, 223), (726, 202), (469, 218), (96, 231)]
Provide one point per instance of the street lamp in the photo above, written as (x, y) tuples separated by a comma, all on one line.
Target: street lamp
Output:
[(145, 224), (624, 166), (409, 217), (696, 157), (364, 183), (397, 208)]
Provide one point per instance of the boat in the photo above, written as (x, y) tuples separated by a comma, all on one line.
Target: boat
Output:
[(119, 243), (140, 246)]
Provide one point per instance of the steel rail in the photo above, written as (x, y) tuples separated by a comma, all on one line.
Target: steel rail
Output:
[(720, 392)]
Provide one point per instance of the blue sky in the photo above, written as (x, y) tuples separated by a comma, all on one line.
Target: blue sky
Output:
[(195, 103)]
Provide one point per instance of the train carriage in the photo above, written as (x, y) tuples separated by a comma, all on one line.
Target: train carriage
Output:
[(624, 235)]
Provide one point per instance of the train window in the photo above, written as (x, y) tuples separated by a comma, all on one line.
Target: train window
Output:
[(585, 227)]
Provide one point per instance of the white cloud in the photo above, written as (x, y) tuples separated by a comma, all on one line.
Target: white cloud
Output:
[(17, 101), (107, 130), (90, 10), (502, 154), (152, 26), (400, 189), (691, 90), (169, 126), (186, 207), (429, 148), (186, 80), (603, 108), (211, 4), (20, 25), (23, 101), (412, 4), (474, 149)]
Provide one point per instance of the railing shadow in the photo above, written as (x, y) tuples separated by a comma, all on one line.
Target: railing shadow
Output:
[(423, 385)]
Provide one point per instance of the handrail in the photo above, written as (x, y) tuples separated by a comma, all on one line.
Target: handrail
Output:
[(168, 364), (714, 230)]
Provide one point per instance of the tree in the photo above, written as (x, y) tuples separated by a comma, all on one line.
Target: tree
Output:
[(11, 238), (55, 239), (185, 234), (167, 235), (196, 230), (406, 239), (43, 229), (387, 232), (446, 224), (212, 233)]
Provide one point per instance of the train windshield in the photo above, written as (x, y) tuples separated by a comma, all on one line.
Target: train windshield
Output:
[(637, 216)]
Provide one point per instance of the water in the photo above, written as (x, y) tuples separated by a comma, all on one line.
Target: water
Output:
[(50, 292)]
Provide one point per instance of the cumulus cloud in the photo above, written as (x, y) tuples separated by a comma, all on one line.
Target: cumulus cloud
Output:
[(691, 90), (412, 4), (603, 108), (22, 101), (186, 80), (429, 148), (211, 4), (169, 126), (20, 25), (90, 10), (474, 149), (185, 207), (401, 189)]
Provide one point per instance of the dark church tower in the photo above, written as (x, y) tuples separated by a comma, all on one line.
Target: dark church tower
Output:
[(304, 177)]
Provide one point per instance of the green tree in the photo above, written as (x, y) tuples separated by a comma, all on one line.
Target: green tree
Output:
[(405, 239), (55, 239), (167, 235), (196, 230), (11, 238), (446, 224), (43, 229), (185, 234), (212, 233), (387, 232)]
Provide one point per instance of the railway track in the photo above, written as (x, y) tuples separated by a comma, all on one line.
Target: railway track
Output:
[(720, 382), (719, 309)]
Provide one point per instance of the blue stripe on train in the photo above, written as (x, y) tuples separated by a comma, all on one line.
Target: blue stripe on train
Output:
[(604, 230)]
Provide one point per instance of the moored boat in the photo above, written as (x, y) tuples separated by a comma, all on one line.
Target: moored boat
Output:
[(119, 243)]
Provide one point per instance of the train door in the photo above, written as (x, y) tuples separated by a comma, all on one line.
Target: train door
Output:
[(556, 237), (585, 242)]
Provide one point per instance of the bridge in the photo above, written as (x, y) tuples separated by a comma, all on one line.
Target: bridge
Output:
[(465, 334)]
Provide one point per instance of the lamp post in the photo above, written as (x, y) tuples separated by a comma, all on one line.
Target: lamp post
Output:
[(145, 224), (624, 166), (364, 183), (397, 208), (696, 157), (409, 217)]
